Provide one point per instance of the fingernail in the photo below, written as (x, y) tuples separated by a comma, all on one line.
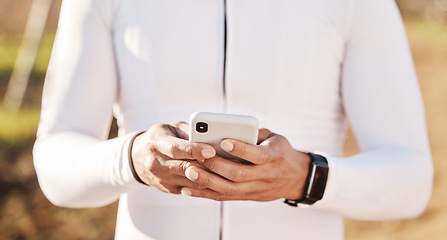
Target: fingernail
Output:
[(227, 145), (208, 153), (186, 191), (191, 174)]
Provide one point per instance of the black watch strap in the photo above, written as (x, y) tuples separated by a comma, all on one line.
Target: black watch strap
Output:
[(315, 182), (132, 168)]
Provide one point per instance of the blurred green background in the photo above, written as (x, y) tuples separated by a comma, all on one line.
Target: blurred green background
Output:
[(26, 214)]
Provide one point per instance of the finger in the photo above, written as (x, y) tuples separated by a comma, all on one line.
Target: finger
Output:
[(173, 142), (169, 175), (255, 154), (177, 148), (175, 184), (238, 172), (181, 129), (180, 182), (178, 167), (263, 134), (219, 184)]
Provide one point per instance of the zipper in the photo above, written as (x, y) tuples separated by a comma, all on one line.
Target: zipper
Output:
[(221, 221), (224, 70), (224, 91)]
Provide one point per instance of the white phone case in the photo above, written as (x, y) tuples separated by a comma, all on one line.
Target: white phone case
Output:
[(212, 128)]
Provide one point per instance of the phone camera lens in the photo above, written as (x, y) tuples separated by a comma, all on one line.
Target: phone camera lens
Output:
[(201, 127)]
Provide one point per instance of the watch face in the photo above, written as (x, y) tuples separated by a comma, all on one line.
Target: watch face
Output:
[(318, 181)]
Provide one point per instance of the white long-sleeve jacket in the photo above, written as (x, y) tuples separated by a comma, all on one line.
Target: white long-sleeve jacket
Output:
[(305, 69)]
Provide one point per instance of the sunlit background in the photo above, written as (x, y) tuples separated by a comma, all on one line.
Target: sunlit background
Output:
[(24, 52)]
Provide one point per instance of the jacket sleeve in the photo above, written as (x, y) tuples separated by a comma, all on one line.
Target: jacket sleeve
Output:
[(392, 175), (75, 164)]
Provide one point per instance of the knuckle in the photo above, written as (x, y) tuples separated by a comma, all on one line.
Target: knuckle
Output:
[(197, 185), (211, 164), (229, 191), (173, 150), (177, 151), (265, 130), (181, 123), (176, 123), (189, 151), (263, 155), (238, 174), (206, 182), (165, 125), (183, 165), (157, 126), (169, 147), (275, 152), (282, 141), (242, 151)]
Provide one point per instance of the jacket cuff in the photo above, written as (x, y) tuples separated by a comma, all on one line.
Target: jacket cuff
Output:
[(127, 171)]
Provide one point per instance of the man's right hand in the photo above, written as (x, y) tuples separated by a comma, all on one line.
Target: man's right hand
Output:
[(162, 154)]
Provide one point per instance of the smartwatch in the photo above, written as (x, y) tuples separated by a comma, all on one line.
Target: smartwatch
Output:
[(315, 182)]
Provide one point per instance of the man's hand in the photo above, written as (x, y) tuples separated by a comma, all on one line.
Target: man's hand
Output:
[(278, 171), (162, 154)]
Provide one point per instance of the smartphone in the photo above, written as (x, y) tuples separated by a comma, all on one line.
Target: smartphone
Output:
[(212, 128)]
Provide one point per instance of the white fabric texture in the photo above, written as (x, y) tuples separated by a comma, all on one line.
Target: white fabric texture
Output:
[(304, 69)]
